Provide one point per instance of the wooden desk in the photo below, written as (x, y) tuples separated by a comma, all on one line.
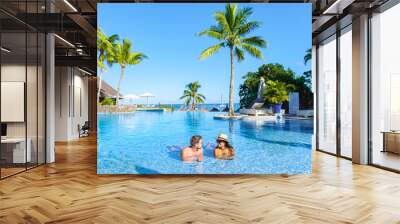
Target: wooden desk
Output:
[(391, 141), (19, 155)]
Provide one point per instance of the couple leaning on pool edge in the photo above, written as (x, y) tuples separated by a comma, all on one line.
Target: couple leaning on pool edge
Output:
[(194, 152)]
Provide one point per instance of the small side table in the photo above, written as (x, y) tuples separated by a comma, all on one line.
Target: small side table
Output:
[(391, 141)]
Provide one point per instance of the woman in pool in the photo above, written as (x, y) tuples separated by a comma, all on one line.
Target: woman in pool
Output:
[(194, 152), (223, 150)]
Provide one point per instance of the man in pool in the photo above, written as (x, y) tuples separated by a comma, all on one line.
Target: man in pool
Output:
[(223, 150), (194, 152)]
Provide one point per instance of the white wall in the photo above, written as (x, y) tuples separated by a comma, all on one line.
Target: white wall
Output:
[(80, 109), (62, 82), (71, 102)]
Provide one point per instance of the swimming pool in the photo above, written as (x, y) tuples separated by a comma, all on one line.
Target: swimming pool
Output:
[(140, 143)]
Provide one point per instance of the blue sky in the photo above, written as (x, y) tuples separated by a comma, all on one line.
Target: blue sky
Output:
[(166, 33)]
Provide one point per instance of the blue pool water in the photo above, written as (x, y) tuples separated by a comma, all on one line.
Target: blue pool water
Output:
[(139, 143)]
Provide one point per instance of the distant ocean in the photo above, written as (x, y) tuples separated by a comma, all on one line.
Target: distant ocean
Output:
[(207, 106)]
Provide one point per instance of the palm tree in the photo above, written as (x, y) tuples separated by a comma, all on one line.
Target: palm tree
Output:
[(307, 74), (307, 57), (191, 95), (231, 30), (105, 46), (124, 56)]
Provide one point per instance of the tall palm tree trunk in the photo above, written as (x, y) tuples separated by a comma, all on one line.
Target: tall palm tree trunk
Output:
[(231, 109), (119, 83), (99, 87)]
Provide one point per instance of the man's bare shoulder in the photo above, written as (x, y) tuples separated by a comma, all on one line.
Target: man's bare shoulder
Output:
[(186, 149)]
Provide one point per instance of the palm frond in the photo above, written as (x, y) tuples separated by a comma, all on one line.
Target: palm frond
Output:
[(308, 56), (253, 51), (239, 54), (185, 95), (135, 58), (230, 15), (211, 50), (126, 48), (113, 38), (201, 96), (194, 86), (222, 22), (256, 41), (118, 53), (213, 32), (199, 100), (101, 65), (124, 56), (110, 57), (242, 16), (105, 47), (100, 35), (248, 27)]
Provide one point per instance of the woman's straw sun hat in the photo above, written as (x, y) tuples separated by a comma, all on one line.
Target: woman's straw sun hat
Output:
[(223, 137)]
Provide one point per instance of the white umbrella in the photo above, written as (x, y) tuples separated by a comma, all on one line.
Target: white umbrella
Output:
[(147, 95)]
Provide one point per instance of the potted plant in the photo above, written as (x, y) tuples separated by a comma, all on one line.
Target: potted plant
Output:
[(275, 94)]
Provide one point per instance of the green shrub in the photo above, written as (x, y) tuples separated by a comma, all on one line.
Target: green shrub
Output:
[(276, 92), (107, 101)]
